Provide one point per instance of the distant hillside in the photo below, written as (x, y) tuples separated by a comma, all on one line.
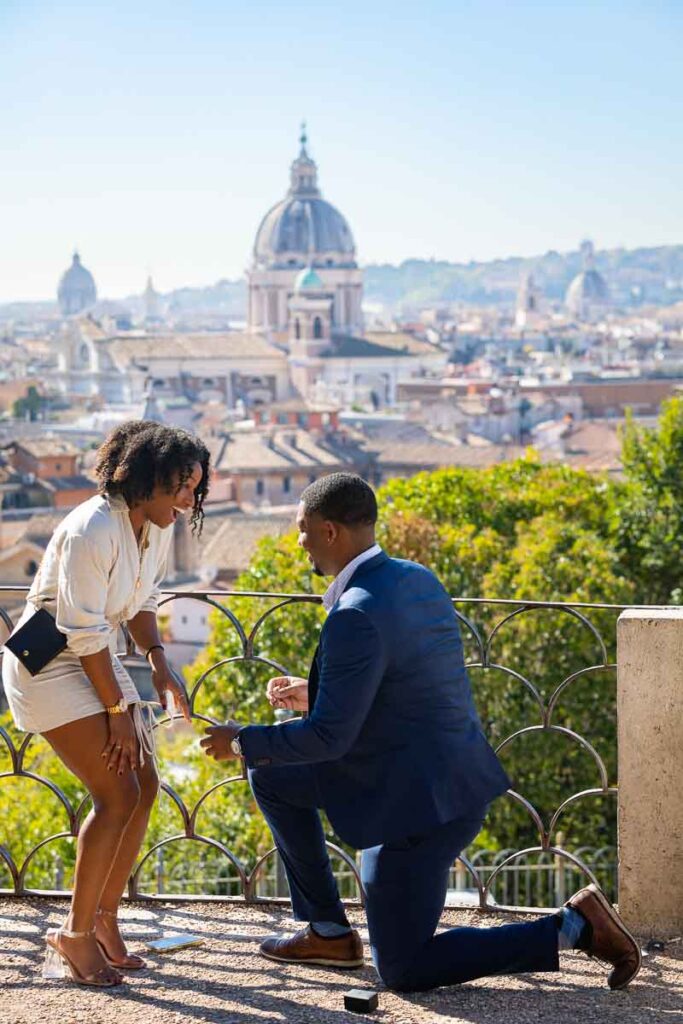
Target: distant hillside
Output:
[(635, 277)]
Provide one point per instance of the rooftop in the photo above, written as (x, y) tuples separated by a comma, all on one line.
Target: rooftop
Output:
[(45, 447), (232, 546), (255, 452), (226, 980), (225, 345), (376, 344)]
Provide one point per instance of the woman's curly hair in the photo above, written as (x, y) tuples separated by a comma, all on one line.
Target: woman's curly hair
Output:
[(141, 455)]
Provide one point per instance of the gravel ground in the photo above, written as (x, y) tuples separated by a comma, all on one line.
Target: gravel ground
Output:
[(227, 981)]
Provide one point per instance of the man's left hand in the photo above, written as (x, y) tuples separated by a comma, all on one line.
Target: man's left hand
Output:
[(217, 741)]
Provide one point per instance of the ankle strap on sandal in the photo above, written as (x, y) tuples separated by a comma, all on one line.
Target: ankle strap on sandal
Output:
[(75, 935)]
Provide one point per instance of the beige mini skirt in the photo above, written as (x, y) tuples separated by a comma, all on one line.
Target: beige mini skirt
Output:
[(61, 693)]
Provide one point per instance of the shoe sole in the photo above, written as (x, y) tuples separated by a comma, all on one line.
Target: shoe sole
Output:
[(345, 965), (614, 917)]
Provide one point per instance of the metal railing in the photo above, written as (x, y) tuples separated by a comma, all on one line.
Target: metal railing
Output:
[(538, 873)]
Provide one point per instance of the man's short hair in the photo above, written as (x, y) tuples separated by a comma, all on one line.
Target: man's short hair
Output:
[(342, 498)]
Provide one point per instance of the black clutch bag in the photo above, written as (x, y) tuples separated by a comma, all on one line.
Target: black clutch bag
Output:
[(37, 642)]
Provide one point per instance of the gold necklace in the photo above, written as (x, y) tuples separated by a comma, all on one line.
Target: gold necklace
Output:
[(143, 545)]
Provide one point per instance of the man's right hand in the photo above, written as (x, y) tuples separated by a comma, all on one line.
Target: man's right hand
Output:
[(289, 692)]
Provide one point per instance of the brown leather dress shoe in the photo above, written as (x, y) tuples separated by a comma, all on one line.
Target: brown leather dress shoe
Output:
[(305, 947), (609, 939)]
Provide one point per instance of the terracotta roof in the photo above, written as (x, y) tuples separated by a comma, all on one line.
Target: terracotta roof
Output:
[(377, 345), (39, 528), (435, 456), (68, 483), (45, 447), (284, 449), (226, 345), (400, 443), (231, 548), (593, 445)]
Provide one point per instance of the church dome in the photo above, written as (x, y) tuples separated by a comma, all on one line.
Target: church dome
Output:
[(76, 290), (303, 227), (308, 281), (587, 295), (587, 288)]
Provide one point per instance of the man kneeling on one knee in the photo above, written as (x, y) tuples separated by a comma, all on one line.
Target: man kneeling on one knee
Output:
[(392, 749)]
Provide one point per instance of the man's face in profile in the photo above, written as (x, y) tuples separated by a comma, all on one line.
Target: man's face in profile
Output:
[(312, 538)]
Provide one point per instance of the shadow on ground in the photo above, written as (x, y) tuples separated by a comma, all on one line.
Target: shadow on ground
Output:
[(226, 980)]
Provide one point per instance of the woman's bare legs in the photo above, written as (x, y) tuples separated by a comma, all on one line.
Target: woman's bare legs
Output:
[(79, 746), (122, 867)]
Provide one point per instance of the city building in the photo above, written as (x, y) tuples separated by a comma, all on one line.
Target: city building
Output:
[(76, 291), (303, 230), (587, 297)]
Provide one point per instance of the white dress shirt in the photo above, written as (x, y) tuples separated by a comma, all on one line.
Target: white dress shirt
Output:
[(93, 575), (336, 587)]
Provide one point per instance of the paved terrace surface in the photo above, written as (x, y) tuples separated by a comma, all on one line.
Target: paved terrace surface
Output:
[(227, 981)]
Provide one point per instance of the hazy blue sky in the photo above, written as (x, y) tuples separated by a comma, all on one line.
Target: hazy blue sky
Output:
[(156, 135)]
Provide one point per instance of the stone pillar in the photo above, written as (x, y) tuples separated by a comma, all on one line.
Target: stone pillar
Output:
[(650, 732)]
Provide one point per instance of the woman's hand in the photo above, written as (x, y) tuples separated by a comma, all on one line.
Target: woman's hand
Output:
[(121, 750), (289, 692), (163, 681)]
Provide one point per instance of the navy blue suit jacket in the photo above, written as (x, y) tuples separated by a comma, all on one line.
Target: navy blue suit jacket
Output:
[(392, 729)]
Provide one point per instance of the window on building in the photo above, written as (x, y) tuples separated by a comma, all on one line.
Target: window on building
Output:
[(260, 488), (31, 568), (317, 328), (286, 484), (58, 467), (311, 478), (297, 329)]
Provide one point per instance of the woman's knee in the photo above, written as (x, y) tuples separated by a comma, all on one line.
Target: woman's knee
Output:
[(120, 799), (149, 789)]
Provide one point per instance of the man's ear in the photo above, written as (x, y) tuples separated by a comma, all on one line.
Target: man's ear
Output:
[(332, 531)]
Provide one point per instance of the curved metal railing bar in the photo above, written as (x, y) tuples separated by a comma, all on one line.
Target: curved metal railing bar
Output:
[(566, 609), (133, 890), (247, 641), (574, 798), (554, 850), (565, 732), (557, 692)]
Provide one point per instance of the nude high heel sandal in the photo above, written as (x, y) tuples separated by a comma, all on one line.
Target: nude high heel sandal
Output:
[(59, 965), (132, 961)]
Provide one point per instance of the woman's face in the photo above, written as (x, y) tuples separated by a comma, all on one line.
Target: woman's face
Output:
[(164, 507)]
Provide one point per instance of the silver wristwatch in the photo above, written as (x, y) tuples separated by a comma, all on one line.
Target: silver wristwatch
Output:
[(236, 746)]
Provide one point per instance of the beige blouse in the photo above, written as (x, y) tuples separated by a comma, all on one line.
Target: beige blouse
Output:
[(94, 576)]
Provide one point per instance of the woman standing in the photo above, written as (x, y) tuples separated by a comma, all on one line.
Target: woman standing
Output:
[(103, 567)]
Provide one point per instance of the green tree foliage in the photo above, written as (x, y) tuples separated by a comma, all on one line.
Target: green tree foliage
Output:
[(30, 406), (649, 523), (520, 531)]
